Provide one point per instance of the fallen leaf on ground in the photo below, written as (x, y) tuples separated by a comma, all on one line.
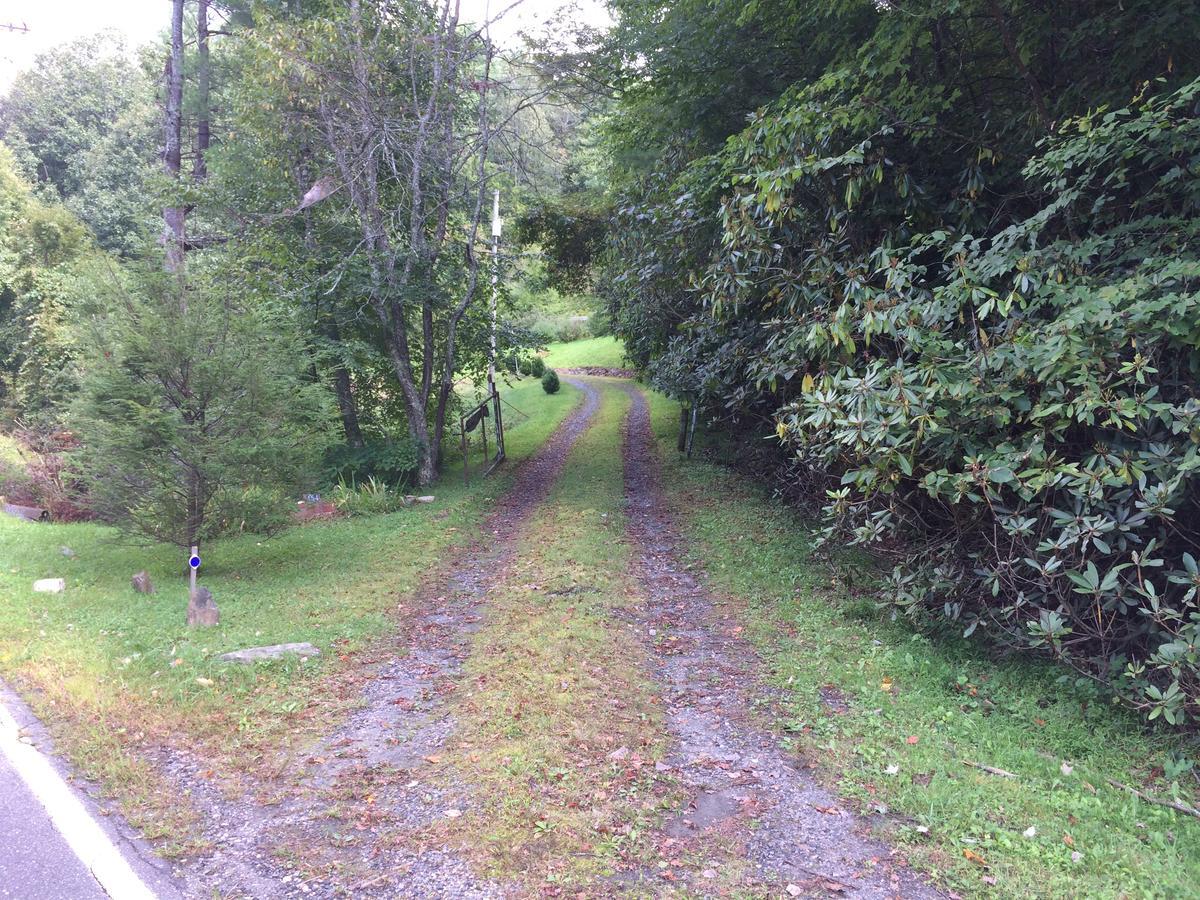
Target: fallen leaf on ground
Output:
[(974, 857), (912, 738)]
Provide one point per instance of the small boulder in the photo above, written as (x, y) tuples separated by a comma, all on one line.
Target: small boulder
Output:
[(426, 499), (274, 651), (67, 552), (202, 609), (50, 585), (142, 583)]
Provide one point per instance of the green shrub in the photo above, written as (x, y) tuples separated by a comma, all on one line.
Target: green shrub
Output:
[(1029, 404), (1009, 413), (254, 509), (537, 366), (367, 498), (391, 462), (550, 382)]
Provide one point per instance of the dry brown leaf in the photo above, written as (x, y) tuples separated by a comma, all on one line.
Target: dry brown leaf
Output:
[(974, 857)]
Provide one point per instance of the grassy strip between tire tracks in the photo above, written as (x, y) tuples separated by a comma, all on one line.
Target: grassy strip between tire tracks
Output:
[(554, 687)]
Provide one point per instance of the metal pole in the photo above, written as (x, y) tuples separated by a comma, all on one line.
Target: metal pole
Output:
[(496, 223)]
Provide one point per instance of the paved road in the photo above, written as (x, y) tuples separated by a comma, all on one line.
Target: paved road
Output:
[(55, 843), (35, 861)]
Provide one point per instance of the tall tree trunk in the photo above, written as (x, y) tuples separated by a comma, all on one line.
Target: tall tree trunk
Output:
[(174, 216), (1014, 55), (203, 76), (344, 393)]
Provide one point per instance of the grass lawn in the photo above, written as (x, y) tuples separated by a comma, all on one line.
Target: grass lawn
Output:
[(918, 709), (601, 351), (109, 669)]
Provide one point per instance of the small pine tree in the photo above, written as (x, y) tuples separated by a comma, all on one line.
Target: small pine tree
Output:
[(185, 400), (550, 382)]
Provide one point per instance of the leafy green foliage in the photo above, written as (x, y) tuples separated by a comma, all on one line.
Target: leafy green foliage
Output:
[(827, 643), (961, 290), (389, 462), (82, 121), (1033, 393), (369, 497), (550, 382), (48, 263)]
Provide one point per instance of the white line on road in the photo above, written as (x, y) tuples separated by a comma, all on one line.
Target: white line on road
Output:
[(71, 819)]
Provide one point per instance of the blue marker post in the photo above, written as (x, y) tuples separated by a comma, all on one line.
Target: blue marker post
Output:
[(193, 565)]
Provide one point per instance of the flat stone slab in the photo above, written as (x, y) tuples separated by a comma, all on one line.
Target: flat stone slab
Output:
[(275, 651), (50, 585)]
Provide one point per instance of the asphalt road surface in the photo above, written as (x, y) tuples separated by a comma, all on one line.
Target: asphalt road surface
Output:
[(35, 860), (55, 841)]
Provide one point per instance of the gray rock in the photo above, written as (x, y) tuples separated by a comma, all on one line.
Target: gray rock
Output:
[(202, 609), (50, 585), (429, 498), (67, 552), (275, 651), (142, 583)]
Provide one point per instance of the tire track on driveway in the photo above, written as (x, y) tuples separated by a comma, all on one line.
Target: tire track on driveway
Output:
[(354, 815), (754, 821)]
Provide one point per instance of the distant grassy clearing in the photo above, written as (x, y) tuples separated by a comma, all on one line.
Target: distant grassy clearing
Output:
[(915, 709), (601, 351), (110, 669)]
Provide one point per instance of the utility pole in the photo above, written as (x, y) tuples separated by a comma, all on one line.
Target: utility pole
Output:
[(496, 225)]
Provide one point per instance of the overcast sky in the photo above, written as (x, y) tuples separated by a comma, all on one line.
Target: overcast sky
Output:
[(53, 22)]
